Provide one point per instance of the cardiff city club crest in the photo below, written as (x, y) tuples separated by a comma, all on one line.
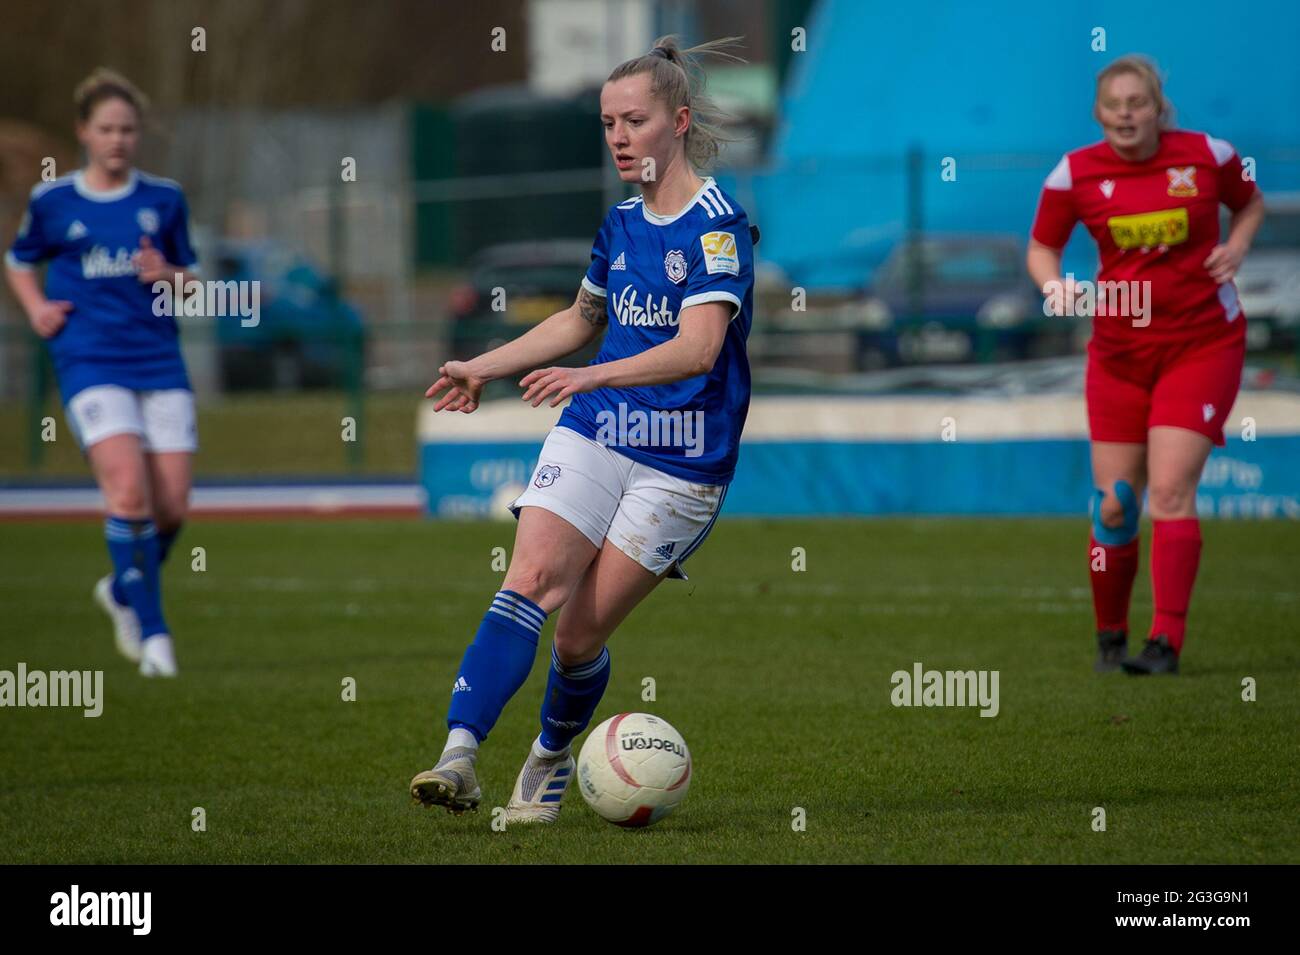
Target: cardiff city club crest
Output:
[(546, 475), (147, 219), (675, 266)]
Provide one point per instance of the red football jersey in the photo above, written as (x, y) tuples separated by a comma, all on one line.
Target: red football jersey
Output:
[(1153, 221)]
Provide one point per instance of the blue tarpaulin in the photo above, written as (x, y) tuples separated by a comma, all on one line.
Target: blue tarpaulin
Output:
[(1004, 89)]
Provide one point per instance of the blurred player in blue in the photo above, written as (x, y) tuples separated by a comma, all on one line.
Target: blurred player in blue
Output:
[(109, 233), (632, 477)]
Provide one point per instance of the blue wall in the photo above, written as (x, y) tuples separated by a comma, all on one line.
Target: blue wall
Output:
[(1250, 479), (1003, 77)]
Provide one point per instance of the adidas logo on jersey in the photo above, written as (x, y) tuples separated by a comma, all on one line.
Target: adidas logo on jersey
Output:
[(76, 231), (620, 264), (460, 686)]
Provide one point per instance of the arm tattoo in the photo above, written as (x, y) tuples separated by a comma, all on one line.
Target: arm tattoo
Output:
[(592, 308)]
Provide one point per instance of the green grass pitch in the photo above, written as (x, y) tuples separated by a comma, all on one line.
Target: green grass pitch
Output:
[(779, 680)]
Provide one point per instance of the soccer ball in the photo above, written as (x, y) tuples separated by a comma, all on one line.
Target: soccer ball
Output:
[(634, 769)]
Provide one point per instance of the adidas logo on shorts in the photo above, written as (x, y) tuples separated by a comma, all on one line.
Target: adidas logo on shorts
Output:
[(460, 686)]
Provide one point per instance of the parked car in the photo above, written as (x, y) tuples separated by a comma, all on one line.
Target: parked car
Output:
[(513, 286), (833, 331), (1268, 280), (306, 335), (960, 297)]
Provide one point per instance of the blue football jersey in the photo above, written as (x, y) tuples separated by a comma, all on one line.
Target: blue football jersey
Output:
[(649, 268), (112, 335)]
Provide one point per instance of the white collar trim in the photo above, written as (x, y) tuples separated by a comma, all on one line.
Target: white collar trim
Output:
[(655, 219), (106, 195)]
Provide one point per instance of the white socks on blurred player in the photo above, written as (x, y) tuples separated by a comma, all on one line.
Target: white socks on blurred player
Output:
[(157, 656), (126, 625)]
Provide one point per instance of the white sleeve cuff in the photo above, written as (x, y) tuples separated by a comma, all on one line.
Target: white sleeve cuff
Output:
[(699, 298), (592, 287), (1060, 177), (18, 265), (1221, 149)]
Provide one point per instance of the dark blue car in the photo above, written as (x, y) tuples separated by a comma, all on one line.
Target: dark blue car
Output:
[(306, 335), (952, 298)]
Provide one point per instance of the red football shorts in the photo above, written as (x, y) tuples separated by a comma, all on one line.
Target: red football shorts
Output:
[(1190, 385)]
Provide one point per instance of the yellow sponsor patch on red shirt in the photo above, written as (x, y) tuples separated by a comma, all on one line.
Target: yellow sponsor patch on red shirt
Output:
[(1147, 230)]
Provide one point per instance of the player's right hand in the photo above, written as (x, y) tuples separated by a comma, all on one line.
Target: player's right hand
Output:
[(50, 317), (462, 387), (1059, 298)]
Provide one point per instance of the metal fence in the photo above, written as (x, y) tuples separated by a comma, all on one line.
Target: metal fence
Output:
[(282, 186)]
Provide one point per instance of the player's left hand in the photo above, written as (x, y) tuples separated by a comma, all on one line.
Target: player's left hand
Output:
[(151, 265), (560, 382), (1223, 261)]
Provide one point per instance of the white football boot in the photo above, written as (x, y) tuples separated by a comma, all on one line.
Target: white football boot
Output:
[(451, 783), (158, 657), (126, 625), (539, 788)]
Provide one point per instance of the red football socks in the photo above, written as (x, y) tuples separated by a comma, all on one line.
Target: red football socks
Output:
[(1175, 554), (1112, 570)]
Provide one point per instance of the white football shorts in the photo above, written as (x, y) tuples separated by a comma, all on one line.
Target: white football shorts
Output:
[(655, 518), (164, 420)]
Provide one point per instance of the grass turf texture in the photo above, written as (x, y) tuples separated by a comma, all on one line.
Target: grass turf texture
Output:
[(780, 682)]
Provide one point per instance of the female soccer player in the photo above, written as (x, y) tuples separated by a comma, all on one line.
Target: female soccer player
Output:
[(633, 475), (1168, 340), (109, 232)]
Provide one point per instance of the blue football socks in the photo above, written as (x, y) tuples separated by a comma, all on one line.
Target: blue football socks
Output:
[(496, 664), (133, 548), (572, 695)]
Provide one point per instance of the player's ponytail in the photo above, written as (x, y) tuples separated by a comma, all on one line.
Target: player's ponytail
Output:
[(105, 84), (677, 79), (1146, 70)]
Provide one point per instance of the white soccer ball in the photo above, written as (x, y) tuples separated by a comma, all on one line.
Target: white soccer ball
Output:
[(634, 769)]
